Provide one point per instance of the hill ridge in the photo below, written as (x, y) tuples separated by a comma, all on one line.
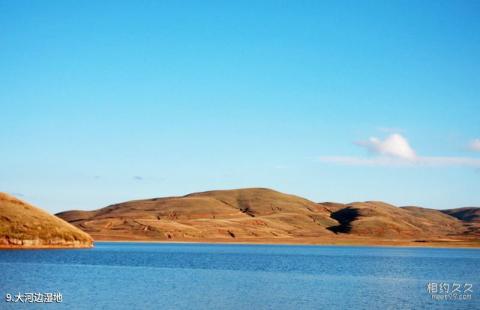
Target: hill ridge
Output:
[(259, 214)]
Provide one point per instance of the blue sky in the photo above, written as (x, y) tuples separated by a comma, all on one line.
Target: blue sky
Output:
[(106, 101)]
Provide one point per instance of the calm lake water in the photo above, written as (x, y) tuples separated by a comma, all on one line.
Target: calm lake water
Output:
[(208, 276)]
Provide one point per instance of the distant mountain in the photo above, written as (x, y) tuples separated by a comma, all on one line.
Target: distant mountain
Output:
[(23, 225), (468, 214), (379, 219), (264, 215)]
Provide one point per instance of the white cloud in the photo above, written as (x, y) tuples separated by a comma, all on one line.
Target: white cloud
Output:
[(395, 146), (475, 145), (396, 151)]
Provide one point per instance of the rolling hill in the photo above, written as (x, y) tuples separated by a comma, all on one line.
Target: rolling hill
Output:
[(235, 214), (23, 225), (264, 215), (468, 214)]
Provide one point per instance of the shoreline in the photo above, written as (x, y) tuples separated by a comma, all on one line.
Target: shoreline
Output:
[(307, 241), (43, 247), (464, 244)]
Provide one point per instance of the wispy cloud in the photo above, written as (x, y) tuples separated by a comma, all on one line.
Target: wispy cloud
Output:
[(390, 161), (474, 145), (138, 178), (395, 150)]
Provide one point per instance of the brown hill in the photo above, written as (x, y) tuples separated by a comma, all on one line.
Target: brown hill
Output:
[(468, 214), (23, 225), (379, 219), (247, 213), (264, 215)]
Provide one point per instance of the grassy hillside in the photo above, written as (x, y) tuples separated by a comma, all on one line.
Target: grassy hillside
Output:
[(246, 213), (264, 215), (22, 224), (468, 214)]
